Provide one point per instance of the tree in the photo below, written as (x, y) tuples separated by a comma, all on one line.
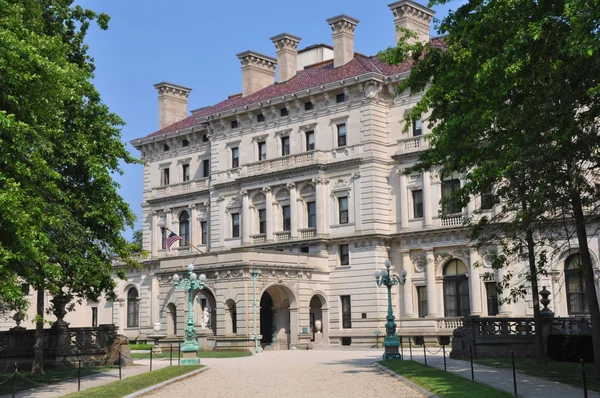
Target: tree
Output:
[(137, 241), (513, 92), (61, 216)]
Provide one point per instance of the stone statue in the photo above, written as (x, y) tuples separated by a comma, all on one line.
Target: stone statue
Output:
[(205, 318)]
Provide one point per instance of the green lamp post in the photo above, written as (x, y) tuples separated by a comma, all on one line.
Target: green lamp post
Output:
[(190, 345), (254, 274), (391, 341)]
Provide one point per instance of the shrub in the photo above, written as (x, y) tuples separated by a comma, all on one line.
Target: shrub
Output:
[(570, 348), (140, 346)]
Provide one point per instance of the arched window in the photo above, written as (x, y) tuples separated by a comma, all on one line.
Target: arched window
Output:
[(184, 228), (133, 308), (456, 289), (575, 286), (171, 320), (232, 321)]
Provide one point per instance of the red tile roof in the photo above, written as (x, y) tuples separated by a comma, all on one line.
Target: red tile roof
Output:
[(305, 79)]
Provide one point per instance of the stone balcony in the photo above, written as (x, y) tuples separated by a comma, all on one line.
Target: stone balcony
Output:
[(411, 145), (180, 188)]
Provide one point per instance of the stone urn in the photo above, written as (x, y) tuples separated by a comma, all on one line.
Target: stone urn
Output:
[(156, 337), (318, 325)]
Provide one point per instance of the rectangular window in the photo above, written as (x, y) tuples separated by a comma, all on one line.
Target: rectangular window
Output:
[(287, 219), (310, 140), (235, 225), (186, 172), (341, 134), (163, 238), (417, 129), (304, 249), (260, 118), (417, 197), (235, 124), (311, 211), (343, 207), (308, 106), (492, 298), (283, 112), (450, 203), (164, 177), (344, 255), (487, 200), (346, 312), (206, 168), (262, 221), (422, 299), (262, 150), (235, 158), (166, 147), (204, 137), (185, 143), (285, 146), (456, 296), (94, 317), (204, 231), (340, 98)]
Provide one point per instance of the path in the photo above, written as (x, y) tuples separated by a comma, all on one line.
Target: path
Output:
[(322, 373)]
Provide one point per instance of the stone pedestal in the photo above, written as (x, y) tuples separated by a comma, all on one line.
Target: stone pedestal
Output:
[(189, 358), (202, 336), (318, 338)]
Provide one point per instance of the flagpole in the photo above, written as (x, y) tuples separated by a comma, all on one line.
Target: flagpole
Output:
[(186, 241)]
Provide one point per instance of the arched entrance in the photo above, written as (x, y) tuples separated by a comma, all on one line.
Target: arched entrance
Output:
[(205, 310), (456, 289), (278, 317)]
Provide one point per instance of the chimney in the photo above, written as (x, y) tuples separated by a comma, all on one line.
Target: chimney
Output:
[(413, 16), (258, 71), (286, 46), (172, 103), (343, 39)]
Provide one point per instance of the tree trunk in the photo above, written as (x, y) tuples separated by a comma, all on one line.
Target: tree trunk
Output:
[(540, 354), (588, 275), (37, 367)]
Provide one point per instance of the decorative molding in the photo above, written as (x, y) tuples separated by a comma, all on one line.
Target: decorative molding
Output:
[(260, 138), (283, 133), (308, 127), (184, 161)]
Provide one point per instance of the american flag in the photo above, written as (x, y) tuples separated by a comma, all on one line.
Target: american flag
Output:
[(172, 239)]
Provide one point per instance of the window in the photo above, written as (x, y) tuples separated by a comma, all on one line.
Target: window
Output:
[(262, 221), (308, 106), (575, 286), (492, 298), (133, 308), (164, 176), (310, 140), (311, 211), (417, 197), (340, 98), (206, 168), (304, 249), (487, 200), (341, 134), (260, 118), (344, 255), (204, 231), (346, 312), (450, 203), (422, 300), (166, 147), (235, 124), (163, 238), (456, 289), (235, 158), (343, 210), (186, 172), (283, 112), (184, 228), (287, 219), (94, 317), (285, 146), (204, 137), (417, 127), (262, 150), (235, 225), (185, 143)]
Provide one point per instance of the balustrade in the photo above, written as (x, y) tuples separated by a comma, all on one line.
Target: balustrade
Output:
[(282, 236), (307, 233)]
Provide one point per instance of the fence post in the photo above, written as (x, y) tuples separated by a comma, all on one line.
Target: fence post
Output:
[(14, 389), (179, 353), (401, 349), (471, 355), (150, 360), (512, 355), (585, 394), (120, 364), (410, 347), (171, 356), (79, 375), (444, 353), (424, 350)]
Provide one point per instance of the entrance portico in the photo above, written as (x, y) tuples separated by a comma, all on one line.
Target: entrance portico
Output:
[(278, 317)]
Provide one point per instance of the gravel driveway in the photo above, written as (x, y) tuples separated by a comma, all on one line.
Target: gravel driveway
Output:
[(318, 373)]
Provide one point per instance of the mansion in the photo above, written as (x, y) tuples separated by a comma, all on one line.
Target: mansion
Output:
[(301, 178)]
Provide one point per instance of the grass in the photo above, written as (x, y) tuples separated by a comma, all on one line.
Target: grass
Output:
[(132, 384), (562, 372), (201, 354), (26, 380), (441, 383)]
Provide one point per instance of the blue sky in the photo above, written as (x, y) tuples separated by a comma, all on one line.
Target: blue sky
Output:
[(193, 43)]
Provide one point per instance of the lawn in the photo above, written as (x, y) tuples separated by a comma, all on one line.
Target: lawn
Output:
[(441, 383), (132, 384), (26, 380), (562, 372), (201, 354)]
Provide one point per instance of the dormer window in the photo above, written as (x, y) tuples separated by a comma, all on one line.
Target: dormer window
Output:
[(340, 98), (283, 112), (166, 147), (308, 106), (234, 124), (260, 118), (185, 143)]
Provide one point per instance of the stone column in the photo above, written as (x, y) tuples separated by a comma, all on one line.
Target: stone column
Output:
[(270, 215), (321, 199), (154, 235), (409, 311), (403, 201), (474, 284), (194, 226), (432, 300), (427, 203), (293, 210), (506, 308), (245, 218)]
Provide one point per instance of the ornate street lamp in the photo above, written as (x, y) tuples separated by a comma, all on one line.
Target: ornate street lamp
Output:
[(391, 341), (190, 345)]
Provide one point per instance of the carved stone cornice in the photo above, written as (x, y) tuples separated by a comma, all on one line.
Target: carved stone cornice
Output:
[(285, 42), (283, 133), (308, 127), (260, 138), (257, 60), (343, 24)]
